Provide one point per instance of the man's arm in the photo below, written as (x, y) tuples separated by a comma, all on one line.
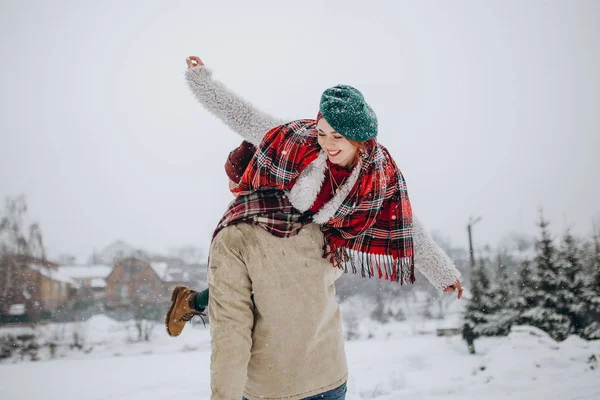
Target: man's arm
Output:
[(231, 316)]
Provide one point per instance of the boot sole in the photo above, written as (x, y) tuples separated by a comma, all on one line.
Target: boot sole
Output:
[(168, 315)]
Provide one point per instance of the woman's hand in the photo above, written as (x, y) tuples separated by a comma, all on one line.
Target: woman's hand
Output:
[(193, 61), (455, 286)]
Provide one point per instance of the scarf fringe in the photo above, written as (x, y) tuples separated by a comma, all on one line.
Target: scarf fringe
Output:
[(388, 267)]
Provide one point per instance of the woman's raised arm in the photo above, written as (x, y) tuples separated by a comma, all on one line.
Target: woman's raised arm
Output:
[(240, 115)]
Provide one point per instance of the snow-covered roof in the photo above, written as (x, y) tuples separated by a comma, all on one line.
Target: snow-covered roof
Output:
[(160, 268), (170, 273), (86, 271), (98, 283), (53, 274)]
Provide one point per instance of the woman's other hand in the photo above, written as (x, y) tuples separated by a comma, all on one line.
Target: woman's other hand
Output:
[(193, 61), (455, 286)]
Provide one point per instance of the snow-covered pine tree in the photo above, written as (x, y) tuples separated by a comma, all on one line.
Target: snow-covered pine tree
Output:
[(572, 280), (526, 285), (502, 314), (502, 282), (542, 307), (591, 291), (479, 306)]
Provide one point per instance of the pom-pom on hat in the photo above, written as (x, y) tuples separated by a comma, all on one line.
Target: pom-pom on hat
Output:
[(345, 109)]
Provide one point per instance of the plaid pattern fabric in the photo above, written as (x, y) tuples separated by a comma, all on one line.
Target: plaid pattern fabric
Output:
[(269, 209), (371, 231)]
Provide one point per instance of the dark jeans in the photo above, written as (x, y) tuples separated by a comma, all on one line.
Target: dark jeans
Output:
[(334, 394)]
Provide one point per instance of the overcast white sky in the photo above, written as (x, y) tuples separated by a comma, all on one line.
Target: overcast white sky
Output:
[(490, 108)]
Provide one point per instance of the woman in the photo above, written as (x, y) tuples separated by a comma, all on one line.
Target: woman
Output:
[(316, 193)]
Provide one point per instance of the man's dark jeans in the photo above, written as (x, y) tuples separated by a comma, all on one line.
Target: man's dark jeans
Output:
[(334, 394)]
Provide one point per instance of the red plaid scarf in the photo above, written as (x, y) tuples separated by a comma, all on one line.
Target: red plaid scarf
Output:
[(371, 231)]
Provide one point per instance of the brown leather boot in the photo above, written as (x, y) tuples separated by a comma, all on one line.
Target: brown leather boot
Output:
[(182, 310)]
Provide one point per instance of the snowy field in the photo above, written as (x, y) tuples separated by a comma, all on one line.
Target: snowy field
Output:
[(402, 360)]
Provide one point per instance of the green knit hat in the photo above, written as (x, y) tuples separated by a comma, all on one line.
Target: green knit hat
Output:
[(345, 109)]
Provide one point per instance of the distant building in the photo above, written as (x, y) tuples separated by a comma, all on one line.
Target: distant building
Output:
[(174, 271), (90, 278), (33, 287), (135, 284)]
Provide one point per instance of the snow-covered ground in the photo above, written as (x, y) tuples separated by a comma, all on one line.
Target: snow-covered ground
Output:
[(402, 360)]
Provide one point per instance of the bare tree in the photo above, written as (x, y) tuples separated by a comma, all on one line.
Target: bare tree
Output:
[(36, 241), (15, 238), (16, 242)]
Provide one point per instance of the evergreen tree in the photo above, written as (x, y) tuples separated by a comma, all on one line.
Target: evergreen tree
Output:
[(571, 279), (541, 291), (502, 313), (591, 291), (502, 284), (526, 286), (480, 305)]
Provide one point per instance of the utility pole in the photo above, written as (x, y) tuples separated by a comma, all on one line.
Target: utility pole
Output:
[(469, 229)]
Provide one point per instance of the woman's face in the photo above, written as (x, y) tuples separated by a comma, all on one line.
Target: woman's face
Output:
[(339, 149)]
